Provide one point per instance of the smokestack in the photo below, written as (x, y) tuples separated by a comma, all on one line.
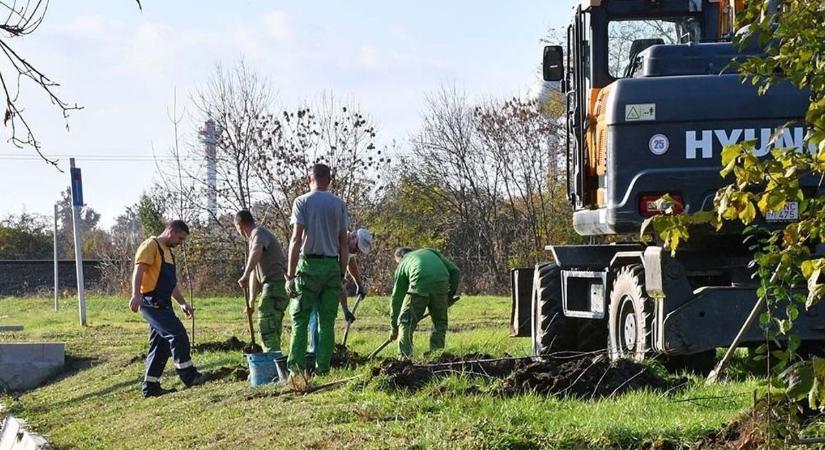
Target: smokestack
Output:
[(209, 136)]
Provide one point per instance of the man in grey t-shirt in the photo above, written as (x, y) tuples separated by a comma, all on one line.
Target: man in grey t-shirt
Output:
[(266, 260), (319, 235)]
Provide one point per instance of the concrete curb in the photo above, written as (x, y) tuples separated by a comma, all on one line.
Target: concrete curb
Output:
[(25, 366), (13, 434)]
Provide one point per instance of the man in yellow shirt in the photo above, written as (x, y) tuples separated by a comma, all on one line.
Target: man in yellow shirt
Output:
[(154, 285)]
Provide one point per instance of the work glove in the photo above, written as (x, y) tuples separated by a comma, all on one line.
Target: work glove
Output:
[(393, 334), (348, 315), (291, 291), (452, 300)]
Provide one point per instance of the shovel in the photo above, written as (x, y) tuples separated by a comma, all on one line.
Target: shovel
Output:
[(378, 350), (249, 315), (349, 324)]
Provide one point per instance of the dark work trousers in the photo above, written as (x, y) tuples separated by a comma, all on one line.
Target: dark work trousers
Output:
[(167, 336)]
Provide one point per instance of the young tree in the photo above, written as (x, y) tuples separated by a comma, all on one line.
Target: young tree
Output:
[(237, 100), (88, 222)]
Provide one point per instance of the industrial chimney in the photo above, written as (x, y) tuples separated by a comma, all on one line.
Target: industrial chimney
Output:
[(209, 136)]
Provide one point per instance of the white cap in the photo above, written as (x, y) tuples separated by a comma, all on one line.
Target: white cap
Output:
[(364, 240)]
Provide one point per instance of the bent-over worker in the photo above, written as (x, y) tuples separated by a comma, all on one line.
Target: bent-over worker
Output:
[(424, 279)]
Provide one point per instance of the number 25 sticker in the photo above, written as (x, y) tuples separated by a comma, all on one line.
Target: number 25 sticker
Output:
[(659, 144)]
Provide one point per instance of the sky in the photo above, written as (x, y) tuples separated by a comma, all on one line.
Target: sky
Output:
[(126, 68)]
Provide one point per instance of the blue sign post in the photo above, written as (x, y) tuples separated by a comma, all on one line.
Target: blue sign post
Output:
[(77, 187), (77, 203)]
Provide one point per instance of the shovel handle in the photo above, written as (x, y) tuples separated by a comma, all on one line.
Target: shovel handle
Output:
[(349, 324), (378, 350), (249, 315)]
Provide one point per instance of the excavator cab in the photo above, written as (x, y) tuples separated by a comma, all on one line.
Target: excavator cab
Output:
[(603, 44)]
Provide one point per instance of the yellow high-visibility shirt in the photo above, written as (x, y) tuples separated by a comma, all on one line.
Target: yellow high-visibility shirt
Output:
[(148, 254)]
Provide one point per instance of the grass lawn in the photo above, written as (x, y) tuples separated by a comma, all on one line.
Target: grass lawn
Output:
[(100, 405)]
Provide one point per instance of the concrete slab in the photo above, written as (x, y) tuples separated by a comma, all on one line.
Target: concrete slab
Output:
[(26, 366), (14, 436), (10, 328)]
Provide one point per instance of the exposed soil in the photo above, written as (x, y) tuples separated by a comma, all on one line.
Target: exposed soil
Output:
[(585, 377), (594, 377), (236, 373), (343, 357), (230, 345), (252, 348), (750, 431), (140, 357), (743, 434)]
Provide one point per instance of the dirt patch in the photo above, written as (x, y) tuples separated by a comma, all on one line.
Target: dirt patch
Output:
[(787, 419), (743, 434), (140, 357), (252, 348), (595, 377), (585, 377), (233, 344), (230, 345), (234, 373), (343, 357)]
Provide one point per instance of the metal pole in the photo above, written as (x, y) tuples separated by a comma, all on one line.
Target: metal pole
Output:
[(78, 256), (713, 377), (56, 283)]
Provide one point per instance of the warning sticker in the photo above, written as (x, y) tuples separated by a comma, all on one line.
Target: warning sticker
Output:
[(639, 112)]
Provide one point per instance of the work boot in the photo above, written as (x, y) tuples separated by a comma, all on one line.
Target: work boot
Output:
[(154, 390), (200, 379)]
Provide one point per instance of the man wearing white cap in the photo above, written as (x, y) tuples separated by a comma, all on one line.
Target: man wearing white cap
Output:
[(360, 243)]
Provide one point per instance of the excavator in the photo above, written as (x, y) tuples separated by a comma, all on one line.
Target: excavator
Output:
[(652, 95)]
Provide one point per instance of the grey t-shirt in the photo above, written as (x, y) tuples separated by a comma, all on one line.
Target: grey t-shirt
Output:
[(273, 263), (323, 216)]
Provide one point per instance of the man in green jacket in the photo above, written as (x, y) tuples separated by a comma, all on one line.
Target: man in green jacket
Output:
[(424, 279)]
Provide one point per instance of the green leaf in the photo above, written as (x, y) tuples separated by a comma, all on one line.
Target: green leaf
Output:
[(799, 380), (793, 312), (808, 267)]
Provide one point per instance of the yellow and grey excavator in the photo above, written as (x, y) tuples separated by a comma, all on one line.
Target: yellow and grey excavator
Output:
[(653, 95)]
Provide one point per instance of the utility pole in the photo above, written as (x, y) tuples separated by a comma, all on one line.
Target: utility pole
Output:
[(56, 283), (77, 203)]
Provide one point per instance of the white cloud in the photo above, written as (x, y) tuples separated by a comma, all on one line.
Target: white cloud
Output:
[(93, 27), (368, 55), (278, 26)]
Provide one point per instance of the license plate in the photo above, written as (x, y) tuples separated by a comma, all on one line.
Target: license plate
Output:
[(789, 213)]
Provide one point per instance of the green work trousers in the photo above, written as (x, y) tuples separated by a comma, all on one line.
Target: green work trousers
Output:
[(272, 302), (318, 283), (411, 311)]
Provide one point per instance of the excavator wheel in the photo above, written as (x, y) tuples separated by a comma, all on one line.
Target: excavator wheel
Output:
[(629, 315), (552, 331)]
